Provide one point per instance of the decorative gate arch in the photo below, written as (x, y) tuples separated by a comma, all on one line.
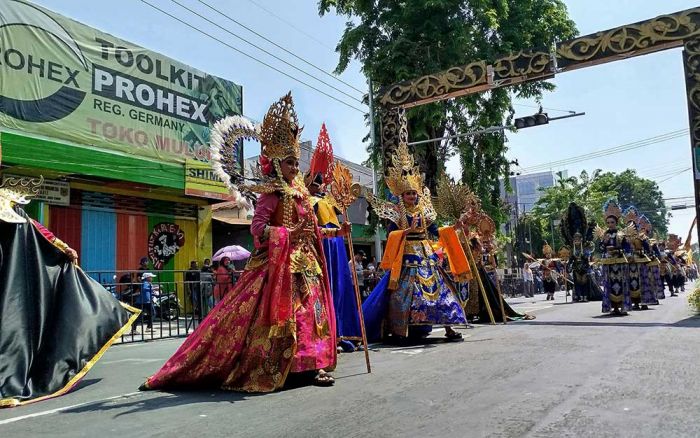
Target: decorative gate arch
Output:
[(660, 33)]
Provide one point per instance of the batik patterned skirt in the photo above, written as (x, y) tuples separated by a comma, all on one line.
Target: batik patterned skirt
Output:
[(616, 291)]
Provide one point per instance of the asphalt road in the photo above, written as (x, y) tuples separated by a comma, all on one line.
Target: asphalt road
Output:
[(569, 373)]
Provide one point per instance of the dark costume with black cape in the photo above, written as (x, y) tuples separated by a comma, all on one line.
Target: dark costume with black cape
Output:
[(55, 321)]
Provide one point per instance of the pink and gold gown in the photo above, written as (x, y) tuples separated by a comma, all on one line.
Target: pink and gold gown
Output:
[(278, 319)]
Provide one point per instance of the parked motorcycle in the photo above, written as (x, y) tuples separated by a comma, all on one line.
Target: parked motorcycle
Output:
[(166, 305)]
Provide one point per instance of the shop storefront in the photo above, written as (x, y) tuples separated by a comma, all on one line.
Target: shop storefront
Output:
[(120, 135)]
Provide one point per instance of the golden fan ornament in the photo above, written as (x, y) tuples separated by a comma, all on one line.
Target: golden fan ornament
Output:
[(342, 189)]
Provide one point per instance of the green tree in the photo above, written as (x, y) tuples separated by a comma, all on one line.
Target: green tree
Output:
[(591, 192), (399, 40), (631, 189), (554, 201)]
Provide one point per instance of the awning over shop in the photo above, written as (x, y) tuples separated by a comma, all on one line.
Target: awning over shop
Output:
[(230, 220), (230, 213)]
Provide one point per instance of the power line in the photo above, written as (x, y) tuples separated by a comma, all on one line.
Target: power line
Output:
[(675, 175), (664, 173), (280, 47), (292, 25), (267, 52), (251, 56), (612, 150), (608, 151), (544, 108)]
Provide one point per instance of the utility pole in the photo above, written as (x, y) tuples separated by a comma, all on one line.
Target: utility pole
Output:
[(377, 238)]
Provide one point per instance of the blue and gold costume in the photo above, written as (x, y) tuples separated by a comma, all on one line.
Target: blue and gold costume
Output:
[(415, 291), (642, 292), (613, 246)]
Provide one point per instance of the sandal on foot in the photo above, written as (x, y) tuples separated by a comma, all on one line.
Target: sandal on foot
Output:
[(454, 336), (322, 378)]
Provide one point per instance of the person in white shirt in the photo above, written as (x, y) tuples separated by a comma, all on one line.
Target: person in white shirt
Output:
[(528, 281), (359, 269)]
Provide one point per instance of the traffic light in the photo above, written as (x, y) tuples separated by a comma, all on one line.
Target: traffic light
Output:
[(530, 121)]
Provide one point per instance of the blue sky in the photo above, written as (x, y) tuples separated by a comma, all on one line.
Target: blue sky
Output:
[(625, 101)]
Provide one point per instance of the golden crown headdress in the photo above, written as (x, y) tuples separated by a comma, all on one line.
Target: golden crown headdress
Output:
[(632, 214), (612, 209), (403, 175), (547, 250), (280, 131)]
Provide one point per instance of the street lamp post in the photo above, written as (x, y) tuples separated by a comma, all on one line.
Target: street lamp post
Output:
[(377, 238)]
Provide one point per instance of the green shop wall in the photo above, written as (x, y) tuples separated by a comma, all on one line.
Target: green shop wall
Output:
[(69, 158)]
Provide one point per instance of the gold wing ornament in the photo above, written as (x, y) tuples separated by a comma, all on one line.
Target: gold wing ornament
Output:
[(629, 231), (385, 209), (426, 206), (599, 232)]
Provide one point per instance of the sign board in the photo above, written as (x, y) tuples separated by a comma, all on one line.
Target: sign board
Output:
[(202, 181), (65, 80), (164, 242), (51, 192)]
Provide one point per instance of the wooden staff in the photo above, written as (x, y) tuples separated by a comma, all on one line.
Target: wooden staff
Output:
[(529, 257), (343, 194), (472, 262)]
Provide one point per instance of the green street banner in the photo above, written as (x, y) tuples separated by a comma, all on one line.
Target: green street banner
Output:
[(64, 80)]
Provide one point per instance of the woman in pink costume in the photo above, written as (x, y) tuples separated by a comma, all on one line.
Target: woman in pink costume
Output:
[(279, 318)]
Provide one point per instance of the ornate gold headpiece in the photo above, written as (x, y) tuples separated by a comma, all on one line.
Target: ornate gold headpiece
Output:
[(632, 215), (280, 130), (564, 253), (612, 209), (403, 175), (645, 225), (547, 250), (17, 191)]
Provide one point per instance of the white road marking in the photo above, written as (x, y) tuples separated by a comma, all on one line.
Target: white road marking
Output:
[(409, 352), (65, 408), (133, 360)]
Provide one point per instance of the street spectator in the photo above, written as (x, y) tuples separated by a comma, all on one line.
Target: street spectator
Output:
[(223, 279), (372, 275), (537, 276), (206, 281), (356, 265), (528, 281), (192, 282), (144, 301)]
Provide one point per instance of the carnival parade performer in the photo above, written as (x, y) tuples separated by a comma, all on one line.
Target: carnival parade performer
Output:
[(652, 276), (339, 275), (613, 245), (55, 321), (642, 293), (415, 292), (279, 317), (480, 310), (479, 291), (578, 235)]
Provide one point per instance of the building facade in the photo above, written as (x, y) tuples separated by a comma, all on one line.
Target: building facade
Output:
[(120, 134)]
